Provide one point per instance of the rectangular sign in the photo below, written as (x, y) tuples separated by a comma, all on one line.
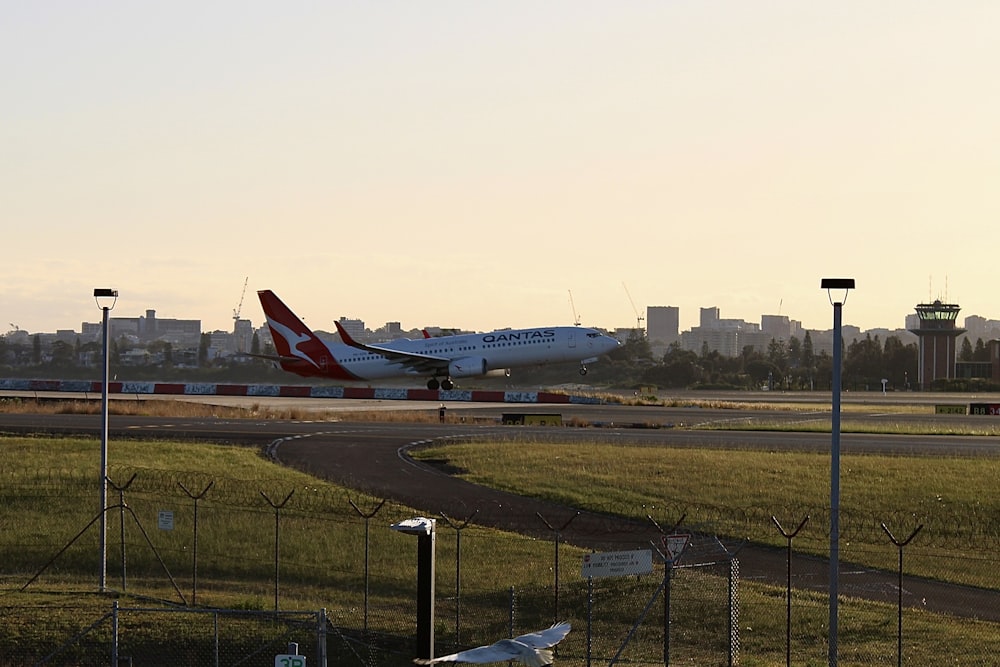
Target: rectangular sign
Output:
[(943, 409), (165, 520), (617, 563)]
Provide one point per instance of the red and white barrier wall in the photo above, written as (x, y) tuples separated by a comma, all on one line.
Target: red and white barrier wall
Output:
[(300, 391)]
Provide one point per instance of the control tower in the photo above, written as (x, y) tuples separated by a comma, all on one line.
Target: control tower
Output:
[(937, 341)]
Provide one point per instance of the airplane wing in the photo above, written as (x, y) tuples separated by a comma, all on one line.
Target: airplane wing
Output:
[(421, 364), (268, 357)]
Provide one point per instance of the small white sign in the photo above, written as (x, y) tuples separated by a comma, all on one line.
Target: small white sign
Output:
[(289, 661), (165, 520), (617, 563), (676, 544)]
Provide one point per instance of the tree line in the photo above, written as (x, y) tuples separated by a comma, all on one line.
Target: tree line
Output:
[(792, 365)]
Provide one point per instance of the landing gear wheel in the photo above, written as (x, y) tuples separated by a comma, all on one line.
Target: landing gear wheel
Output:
[(583, 370), (447, 385), (433, 384)]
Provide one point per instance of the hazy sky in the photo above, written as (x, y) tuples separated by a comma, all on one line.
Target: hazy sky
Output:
[(470, 164)]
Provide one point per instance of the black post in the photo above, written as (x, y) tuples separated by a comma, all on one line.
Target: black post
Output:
[(668, 564), (458, 569), (788, 586), (121, 518), (425, 594), (277, 528), (899, 589), (194, 546), (367, 517), (426, 531), (556, 535)]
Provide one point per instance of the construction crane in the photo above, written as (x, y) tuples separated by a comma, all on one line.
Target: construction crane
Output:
[(239, 306), (576, 318), (638, 318)]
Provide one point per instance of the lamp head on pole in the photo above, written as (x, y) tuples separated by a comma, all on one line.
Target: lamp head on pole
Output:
[(830, 284), (105, 293)]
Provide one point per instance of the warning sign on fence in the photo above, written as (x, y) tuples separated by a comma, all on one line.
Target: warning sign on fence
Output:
[(617, 563)]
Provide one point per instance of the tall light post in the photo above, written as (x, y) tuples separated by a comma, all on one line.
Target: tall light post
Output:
[(105, 306), (831, 284)]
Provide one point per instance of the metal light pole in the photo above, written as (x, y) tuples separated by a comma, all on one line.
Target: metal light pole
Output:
[(104, 293), (829, 284)]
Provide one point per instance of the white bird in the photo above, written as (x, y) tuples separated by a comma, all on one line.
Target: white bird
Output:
[(531, 649)]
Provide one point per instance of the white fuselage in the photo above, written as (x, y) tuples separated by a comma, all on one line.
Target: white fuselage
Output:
[(503, 349)]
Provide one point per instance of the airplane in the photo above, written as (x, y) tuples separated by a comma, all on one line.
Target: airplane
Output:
[(441, 359)]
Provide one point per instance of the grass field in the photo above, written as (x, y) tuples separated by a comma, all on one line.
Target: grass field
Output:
[(46, 480), (48, 496), (954, 499)]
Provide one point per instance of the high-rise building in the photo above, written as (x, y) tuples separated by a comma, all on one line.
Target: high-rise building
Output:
[(663, 324), (356, 328)]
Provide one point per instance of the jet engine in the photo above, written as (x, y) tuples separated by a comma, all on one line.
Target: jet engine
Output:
[(467, 367)]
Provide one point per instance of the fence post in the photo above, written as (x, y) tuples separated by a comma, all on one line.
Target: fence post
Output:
[(899, 589), (121, 520), (458, 569), (556, 535), (511, 602), (277, 513), (321, 637), (590, 616), (734, 603), (114, 633), (668, 566), (788, 585), (194, 545), (367, 517)]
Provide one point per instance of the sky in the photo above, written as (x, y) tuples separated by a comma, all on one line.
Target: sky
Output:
[(489, 164)]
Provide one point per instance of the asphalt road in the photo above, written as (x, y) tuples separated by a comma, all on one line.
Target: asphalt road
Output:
[(372, 457)]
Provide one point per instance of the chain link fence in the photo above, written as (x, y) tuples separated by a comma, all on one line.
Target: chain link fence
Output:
[(217, 561)]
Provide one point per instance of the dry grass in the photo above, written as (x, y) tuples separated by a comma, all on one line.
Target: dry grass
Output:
[(196, 409)]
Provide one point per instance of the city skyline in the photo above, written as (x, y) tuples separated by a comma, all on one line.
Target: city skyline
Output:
[(372, 327), (472, 163)]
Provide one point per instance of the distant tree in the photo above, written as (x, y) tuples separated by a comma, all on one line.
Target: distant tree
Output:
[(62, 354), (823, 374), (965, 354), (794, 352), (777, 356), (255, 344), (982, 352), (863, 366), (203, 345), (36, 349), (680, 368), (808, 358)]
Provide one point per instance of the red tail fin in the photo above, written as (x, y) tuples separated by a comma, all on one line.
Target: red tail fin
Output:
[(300, 350)]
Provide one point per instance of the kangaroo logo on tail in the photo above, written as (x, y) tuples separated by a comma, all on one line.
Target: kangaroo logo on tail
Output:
[(292, 338)]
